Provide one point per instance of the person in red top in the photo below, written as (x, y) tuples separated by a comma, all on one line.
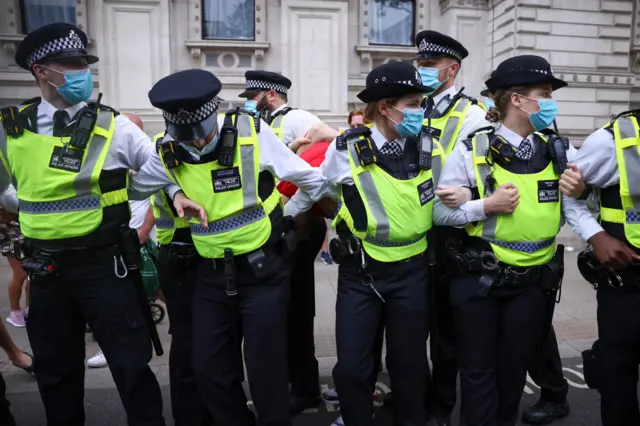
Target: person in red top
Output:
[(312, 228)]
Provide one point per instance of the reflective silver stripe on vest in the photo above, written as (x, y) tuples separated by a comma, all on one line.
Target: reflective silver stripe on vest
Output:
[(82, 183), (436, 168), (631, 159), (275, 124), (165, 221), (373, 198), (386, 243), (229, 223), (452, 124), (249, 184)]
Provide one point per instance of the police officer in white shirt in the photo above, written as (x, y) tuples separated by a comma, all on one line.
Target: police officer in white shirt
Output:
[(266, 94)]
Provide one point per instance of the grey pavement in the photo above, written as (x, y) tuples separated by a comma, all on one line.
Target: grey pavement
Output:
[(575, 323)]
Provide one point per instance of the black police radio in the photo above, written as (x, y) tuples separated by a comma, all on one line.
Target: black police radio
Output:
[(558, 147), (425, 147), (228, 139), (84, 124)]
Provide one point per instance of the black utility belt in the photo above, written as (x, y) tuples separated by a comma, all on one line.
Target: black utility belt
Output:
[(599, 275), (485, 263), (350, 247), (180, 251), (46, 261)]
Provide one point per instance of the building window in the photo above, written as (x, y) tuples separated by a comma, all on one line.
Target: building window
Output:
[(229, 19), (392, 22), (38, 13)]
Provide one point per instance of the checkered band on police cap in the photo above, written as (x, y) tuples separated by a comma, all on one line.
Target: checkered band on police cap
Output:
[(72, 41), (182, 116), (429, 47), (255, 85)]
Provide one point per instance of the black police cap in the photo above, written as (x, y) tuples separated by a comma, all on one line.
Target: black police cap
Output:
[(54, 41), (188, 100), (432, 44), (392, 80), (265, 80), (523, 70)]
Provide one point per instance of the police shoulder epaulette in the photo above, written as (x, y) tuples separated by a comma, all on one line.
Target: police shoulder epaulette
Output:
[(35, 100), (473, 100), (468, 143), (341, 143), (635, 112), (482, 130), (104, 107), (546, 132)]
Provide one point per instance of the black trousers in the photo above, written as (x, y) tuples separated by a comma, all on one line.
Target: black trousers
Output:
[(262, 301), (85, 290), (498, 336), (6, 419), (550, 378), (358, 314), (619, 354), (441, 389), (178, 281), (303, 365)]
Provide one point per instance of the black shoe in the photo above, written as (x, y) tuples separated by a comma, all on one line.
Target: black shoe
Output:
[(298, 405), (387, 400), (545, 412)]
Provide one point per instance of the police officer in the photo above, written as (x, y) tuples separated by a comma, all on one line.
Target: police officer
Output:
[(230, 168), (78, 275), (382, 225), (452, 115), (267, 91), (609, 164), (553, 403), (266, 94), (505, 270)]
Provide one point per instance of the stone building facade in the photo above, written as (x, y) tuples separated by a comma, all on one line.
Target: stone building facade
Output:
[(326, 47)]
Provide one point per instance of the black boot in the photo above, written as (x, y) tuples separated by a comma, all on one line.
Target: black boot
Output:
[(298, 405), (545, 412)]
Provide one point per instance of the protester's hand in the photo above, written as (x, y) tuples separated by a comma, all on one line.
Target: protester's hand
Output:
[(503, 201), (453, 196), (183, 206), (320, 131), (297, 143), (143, 236), (571, 183), (611, 252)]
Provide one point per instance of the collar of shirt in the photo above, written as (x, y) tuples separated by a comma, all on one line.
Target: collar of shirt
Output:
[(450, 92), (512, 137), (279, 108), (380, 140), (46, 110)]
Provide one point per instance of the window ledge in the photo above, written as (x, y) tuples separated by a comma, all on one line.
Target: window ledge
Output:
[(366, 51), (197, 46), (10, 42)]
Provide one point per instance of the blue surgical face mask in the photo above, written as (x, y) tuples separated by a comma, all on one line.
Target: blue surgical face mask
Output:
[(489, 103), (251, 106), (208, 148), (545, 115), (77, 87), (411, 123), (430, 78)]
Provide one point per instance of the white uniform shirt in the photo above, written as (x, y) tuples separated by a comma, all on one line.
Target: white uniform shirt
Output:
[(139, 209), (296, 123), (337, 170), (275, 157), (458, 171), (596, 159), (8, 200)]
